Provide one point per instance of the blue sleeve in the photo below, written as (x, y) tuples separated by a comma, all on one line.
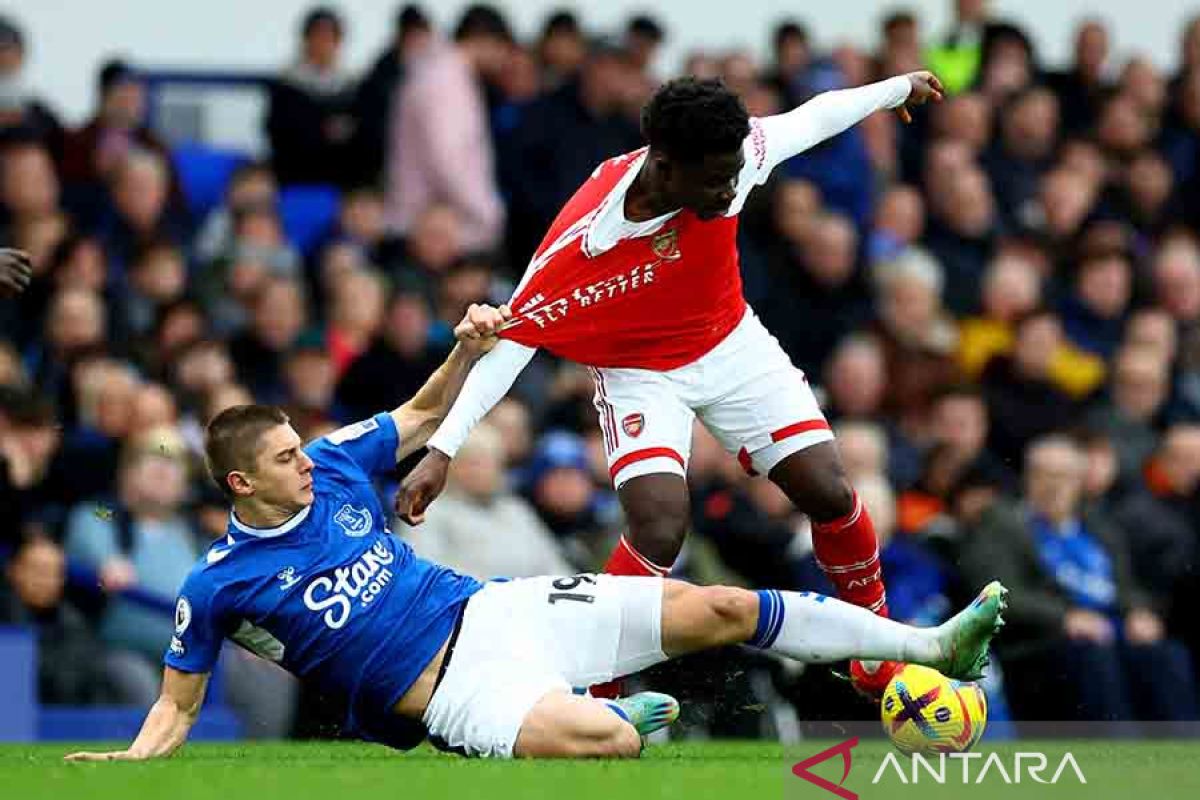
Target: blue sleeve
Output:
[(198, 630), (371, 443)]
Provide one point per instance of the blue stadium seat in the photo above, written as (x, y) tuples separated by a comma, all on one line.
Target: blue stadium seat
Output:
[(18, 676), (204, 174), (308, 214)]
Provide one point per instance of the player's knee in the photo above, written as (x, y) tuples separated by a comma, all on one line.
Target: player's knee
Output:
[(658, 529), (833, 496), (737, 610)]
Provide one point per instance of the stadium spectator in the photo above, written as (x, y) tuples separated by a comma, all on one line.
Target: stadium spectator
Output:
[(818, 291), (1024, 401), (1082, 86), (1139, 387), (309, 118), (1024, 150), (561, 49), (29, 438), (644, 36), (855, 379), (70, 658), (21, 112), (918, 338), (1011, 289), (375, 94), (965, 118), (279, 318), (898, 224), (462, 530), (158, 278), (92, 153), (29, 195), (355, 315), (1084, 625), (395, 364), (441, 149), (558, 483), (75, 324), (562, 137), (961, 235), (1161, 517), (1177, 281), (1093, 313), (140, 213), (252, 185), (510, 418), (142, 540)]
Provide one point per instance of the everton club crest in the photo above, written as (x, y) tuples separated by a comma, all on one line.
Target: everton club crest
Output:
[(666, 245)]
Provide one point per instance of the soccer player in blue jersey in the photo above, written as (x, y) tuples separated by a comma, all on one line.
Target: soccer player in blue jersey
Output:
[(310, 577)]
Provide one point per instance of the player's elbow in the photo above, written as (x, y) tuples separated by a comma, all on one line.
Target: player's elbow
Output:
[(416, 424)]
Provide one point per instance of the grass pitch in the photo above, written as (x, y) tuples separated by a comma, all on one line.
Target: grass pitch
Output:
[(1150, 770)]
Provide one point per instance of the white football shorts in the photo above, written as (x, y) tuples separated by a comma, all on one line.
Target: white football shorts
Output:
[(745, 390), (521, 639)]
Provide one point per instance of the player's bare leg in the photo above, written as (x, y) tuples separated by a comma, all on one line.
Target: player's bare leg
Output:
[(657, 511), (563, 725), (844, 541), (818, 629)]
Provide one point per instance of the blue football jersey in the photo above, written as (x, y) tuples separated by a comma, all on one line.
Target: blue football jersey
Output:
[(330, 595)]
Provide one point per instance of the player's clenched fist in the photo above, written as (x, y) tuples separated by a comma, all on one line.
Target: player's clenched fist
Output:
[(16, 272), (422, 486), (479, 327)]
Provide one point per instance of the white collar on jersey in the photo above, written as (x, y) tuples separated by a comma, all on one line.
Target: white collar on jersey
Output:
[(609, 226), (267, 533)]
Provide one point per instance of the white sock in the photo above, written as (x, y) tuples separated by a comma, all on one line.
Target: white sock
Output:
[(819, 629)]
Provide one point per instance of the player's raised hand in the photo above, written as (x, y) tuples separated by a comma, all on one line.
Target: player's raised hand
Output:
[(16, 271), (422, 486), (479, 328), (925, 87)]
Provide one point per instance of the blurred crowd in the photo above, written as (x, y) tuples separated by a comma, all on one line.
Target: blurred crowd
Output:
[(999, 303)]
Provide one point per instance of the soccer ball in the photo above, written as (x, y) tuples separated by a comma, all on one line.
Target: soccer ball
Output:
[(923, 711)]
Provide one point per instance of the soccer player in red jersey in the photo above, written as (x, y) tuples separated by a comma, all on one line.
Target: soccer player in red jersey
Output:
[(637, 278)]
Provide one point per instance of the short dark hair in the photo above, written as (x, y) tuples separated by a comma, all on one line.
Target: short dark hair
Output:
[(688, 119), (482, 20), (645, 25), (412, 18), (231, 440), (561, 21), (113, 72), (788, 29), (898, 18), (318, 15)]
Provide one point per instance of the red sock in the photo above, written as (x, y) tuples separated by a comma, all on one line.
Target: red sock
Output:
[(848, 553), (625, 560)]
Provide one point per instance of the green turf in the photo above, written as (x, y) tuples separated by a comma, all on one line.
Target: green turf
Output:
[(1143, 770)]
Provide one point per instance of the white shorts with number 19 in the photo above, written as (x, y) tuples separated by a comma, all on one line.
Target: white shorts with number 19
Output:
[(523, 638)]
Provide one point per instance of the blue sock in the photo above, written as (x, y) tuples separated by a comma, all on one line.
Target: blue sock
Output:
[(770, 618), (616, 709)]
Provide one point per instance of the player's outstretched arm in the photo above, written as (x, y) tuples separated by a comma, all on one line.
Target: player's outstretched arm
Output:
[(830, 113), (417, 419), (168, 723), (487, 383)]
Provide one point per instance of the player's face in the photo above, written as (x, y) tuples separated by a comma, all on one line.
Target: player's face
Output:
[(706, 187), (282, 474)]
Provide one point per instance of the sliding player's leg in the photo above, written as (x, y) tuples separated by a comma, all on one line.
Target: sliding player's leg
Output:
[(819, 629), (566, 725), (766, 413)]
